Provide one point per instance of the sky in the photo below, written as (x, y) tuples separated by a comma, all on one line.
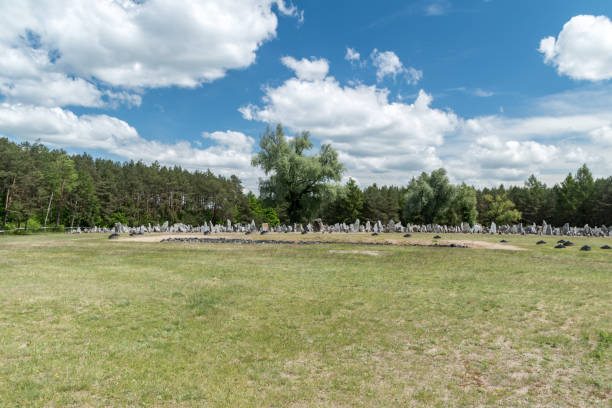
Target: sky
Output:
[(491, 90)]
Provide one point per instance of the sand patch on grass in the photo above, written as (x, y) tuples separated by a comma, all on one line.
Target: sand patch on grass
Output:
[(486, 245), (297, 237), (370, 253)]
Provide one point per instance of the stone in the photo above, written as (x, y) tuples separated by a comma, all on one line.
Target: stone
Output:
[(164, 227), (493, 228), (540, 242), (606, 247), (566, 229), (548, 229), (560, 246), (585, 248), (568, 243), (114, 236)]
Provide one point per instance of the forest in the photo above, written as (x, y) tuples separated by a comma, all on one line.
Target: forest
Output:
[(48, 188)]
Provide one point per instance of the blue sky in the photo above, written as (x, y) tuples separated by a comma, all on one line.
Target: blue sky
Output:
[(491, 90)]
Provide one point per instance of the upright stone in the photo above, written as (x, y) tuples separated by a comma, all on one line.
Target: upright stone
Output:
[(566, 229), (548, 229), (493, 229)]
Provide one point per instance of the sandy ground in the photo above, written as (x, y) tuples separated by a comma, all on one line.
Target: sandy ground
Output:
[(370, 253), (327, 237), (486, 245)]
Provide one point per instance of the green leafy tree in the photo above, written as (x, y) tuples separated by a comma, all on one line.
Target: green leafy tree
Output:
[(428, 198), (500, 209), (346, 205), (294, 179), (65, 179), (261, 214), (462, 207)]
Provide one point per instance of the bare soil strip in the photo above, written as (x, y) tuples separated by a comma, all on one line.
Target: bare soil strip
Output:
[(370, 253), (311, 239)]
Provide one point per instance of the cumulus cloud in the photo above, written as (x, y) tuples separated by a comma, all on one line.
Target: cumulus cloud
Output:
[(305, 69), (602, 136), (387, 63), (583, 48), (384, 141), (373, 134), (495, 149), (229, 154), (495, 153), (352, 55), (60, 53)]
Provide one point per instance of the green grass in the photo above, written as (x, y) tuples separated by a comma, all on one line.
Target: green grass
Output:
[(89, 322)]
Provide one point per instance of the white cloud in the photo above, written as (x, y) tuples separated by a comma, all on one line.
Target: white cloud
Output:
[(602, 136), (352, 55), (373, 135), (388, 142), (583, 48), (310, 70), (482, 93), (54, 53), (387, 63), (53, 89), (496, 149), (495, 153), (230, 154), (525, 128), (437, 8)]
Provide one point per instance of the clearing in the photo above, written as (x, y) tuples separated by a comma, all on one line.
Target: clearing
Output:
[(85, 321)]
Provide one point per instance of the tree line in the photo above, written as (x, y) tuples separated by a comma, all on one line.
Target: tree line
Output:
[(301, 187), (42, 187)]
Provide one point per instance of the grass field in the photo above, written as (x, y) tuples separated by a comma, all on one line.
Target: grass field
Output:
[(85, 321)]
